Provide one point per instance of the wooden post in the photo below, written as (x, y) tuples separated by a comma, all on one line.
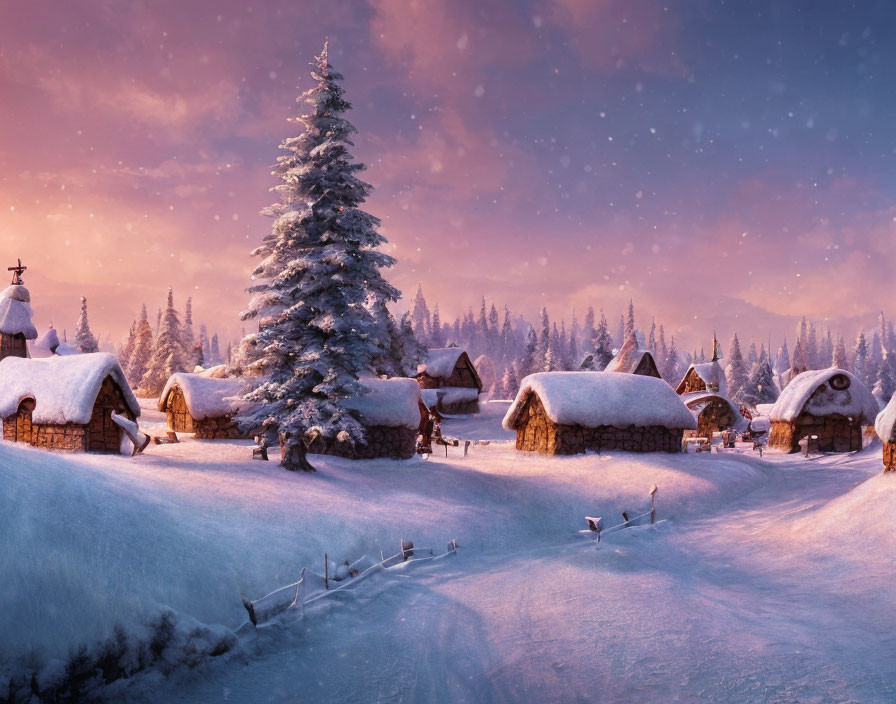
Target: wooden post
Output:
[(326, 572), (653, 504)]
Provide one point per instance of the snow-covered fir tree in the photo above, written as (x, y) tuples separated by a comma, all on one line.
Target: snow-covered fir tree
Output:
[(586, 339), (215, 350), (736, 371), (318, 268), (860, 359), (421, 317), (127, 349), (840, 359), (84, 339), (630, 320), (142, 351), (187, 336), (437, 336), (885, 384), (167, 353), (670, 366)]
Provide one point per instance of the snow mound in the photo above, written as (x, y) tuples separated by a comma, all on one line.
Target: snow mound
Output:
[(440, 362), (814, 392), (886, 421), (205, 396), (393, 403), (64, 389), (593, 399), (16, 313)]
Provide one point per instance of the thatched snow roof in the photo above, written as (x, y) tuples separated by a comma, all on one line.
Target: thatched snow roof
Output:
[(593, 399), (440, 362), (64, 389), (16, 313), (698, 400), (205, 396), (822, 392), (393, 403)]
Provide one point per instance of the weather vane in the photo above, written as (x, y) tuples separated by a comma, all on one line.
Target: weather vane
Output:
[(17, 272)]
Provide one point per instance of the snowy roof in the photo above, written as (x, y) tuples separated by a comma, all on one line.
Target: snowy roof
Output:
[(449, 395), (886, 421), (64, 389), (629, 357), (15, 312), (394, 403), (440, 362), (49, 341), (592, 399), (697, 401), (205, 396), (712, 374), (812, 392)]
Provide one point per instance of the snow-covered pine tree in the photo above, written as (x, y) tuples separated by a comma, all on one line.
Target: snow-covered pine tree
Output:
[(127, 349), (573, 345), (143, 343), (620, 333), (319, 267), (215, 349), (493, 332), (586, 339), (651, 338), (187, 337), (782, 361), (736, 372), (670, 364), (886, 383), (840, 359), (529, 363), (860, 359), (508, 347), (421, 317), (760, 387), (662, 350), (544, 341), (84, 339), (204, 345), (875, 358), (412, 350), (603, 344), (167, 354), (812, 355), (437, 336), (388, 361), (630, 319)]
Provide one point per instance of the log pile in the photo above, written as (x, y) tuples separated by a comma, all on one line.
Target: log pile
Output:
[(890, 456), (835, 433)]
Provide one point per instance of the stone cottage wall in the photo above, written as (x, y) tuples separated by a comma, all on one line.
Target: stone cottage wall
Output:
[(223, 428), (835, 433), (380, 441)]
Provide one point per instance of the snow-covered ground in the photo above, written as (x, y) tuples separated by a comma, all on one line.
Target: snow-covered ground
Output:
[(765, 580)]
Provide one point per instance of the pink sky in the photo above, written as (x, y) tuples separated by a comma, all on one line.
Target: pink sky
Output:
[(563, 153)]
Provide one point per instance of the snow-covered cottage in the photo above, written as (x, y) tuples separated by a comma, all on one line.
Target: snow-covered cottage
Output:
[(713, 413), (449, 381), (203, 404), (705, 376), (830, 404), (65, 403), (563, 413), (885, 427), (16, 326), (391, 414), (632, 359)]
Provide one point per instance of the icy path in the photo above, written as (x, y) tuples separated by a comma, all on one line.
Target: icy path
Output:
[(734, 606)]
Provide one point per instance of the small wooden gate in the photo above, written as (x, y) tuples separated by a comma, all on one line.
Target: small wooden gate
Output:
[(24, 426)]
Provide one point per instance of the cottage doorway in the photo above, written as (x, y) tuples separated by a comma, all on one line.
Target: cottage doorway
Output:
[(103, 434), (24, 426)]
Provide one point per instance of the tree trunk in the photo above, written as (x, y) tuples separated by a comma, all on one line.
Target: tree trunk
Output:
[(293, 455)]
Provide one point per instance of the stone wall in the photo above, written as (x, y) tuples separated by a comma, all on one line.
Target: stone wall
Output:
[(536, 432), (380, 441), (223, 428), (69, 438), (835, 433), (179, 418), (890, 456)]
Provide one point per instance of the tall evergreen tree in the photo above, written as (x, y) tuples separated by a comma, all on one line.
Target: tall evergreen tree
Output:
[(167, 354), (437, 335), (603, 344), (127, 349), (840, 359), (574, 346), (812, 355), (620, 333), (84, 339), (187, 337), (630, 320), (736, 372), (586, 340), (319, 266), (860, 359), (886, 380), (651, 338), (670, 364), (420, 316), (544, 340), (143, 344), (215, 350)]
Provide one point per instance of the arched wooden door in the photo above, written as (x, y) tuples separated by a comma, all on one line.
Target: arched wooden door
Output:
[(24, 425), (103, 434)]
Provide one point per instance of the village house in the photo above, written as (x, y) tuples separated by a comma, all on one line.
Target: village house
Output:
[(204, 404), (713, 413), (631, 359), (885, 427), (564, 413), (16, 326), (827, 406), (65, 403), (391, 413), (449, 381), (705, 376)]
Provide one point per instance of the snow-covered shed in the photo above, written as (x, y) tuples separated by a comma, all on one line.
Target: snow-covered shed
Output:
[(16, 326), (713, 413), (563, 413), (706, 376), (65, 403), (632, 359), (830, 404), (203, 403), (391, 412), (449, 371), (885, 427)]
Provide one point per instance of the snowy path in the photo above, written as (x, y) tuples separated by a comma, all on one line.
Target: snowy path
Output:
[(727, 607)]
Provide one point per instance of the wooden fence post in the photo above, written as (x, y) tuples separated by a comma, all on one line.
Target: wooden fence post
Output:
[(653, 504), (326, 572)]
